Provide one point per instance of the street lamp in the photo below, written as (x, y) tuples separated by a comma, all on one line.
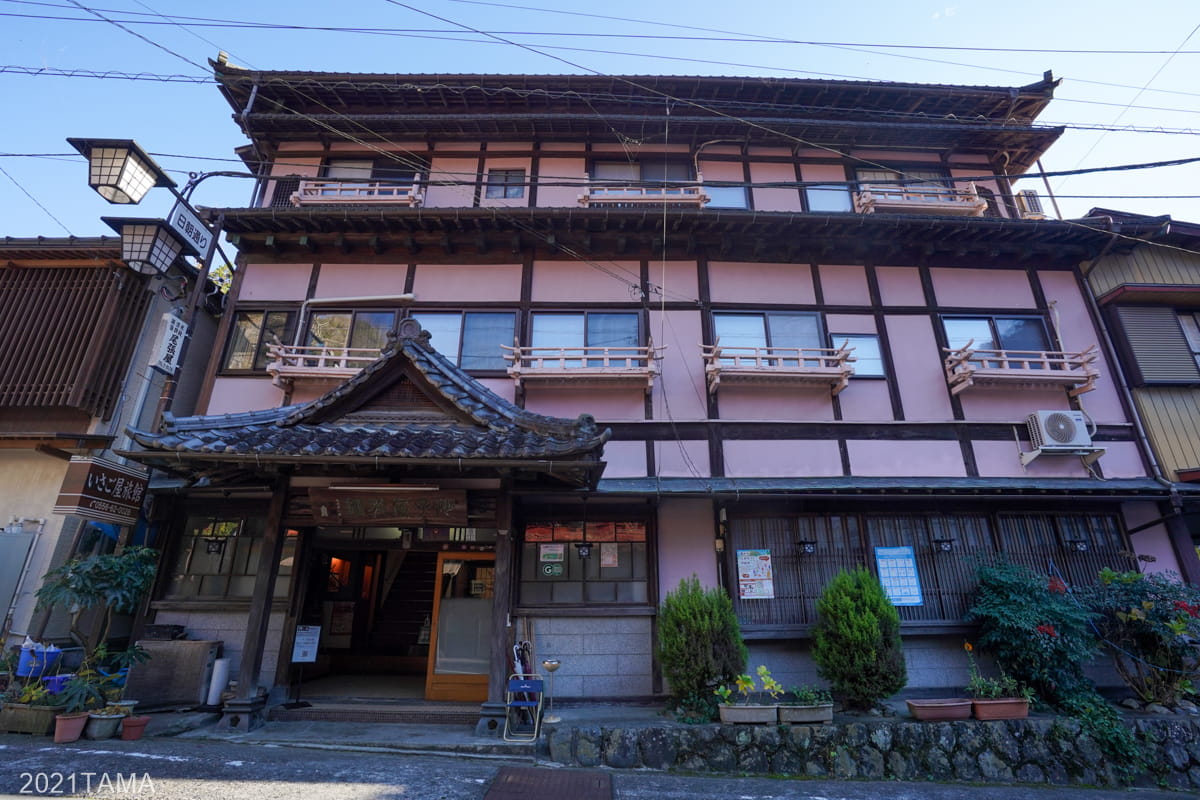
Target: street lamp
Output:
[(150, 246), (119, 170)]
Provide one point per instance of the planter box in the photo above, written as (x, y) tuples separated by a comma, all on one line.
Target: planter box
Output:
[(821, 713), (24, 718), (748, 714), (933, 710), (1001, 708)]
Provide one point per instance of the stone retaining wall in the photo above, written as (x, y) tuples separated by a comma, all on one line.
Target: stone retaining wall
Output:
[(1052, 751)]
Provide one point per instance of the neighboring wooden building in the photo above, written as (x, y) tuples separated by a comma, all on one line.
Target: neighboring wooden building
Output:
[(78, 329), (819, 324), (1147, 281)]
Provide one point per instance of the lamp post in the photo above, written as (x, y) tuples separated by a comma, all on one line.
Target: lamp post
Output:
[(122, 173)]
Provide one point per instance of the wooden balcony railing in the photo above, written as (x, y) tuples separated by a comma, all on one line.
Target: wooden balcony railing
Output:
[(1025, 369), (323, 192), (778, 366), (583, 367), (617, 195), (292, 363), (921, 199)]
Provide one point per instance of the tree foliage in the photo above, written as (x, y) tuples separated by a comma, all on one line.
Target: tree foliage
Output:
[(857, 640), (700, 642)]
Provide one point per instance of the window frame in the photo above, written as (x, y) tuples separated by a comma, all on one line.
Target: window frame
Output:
[(641, 164), (995, 331), (836, 339), (818, 340), (239, 557), (381, 171), (502, 365), (505, 188), (528, 552), (291, 323)]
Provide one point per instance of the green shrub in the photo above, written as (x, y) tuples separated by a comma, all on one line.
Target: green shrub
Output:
[(857, 640), (1149, 624), (1037, 633), (700, 645)]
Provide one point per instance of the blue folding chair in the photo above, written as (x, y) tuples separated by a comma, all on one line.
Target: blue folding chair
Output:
[(523, 707)]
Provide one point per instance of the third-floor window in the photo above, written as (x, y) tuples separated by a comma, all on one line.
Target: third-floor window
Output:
[(996, 333), (618, 332), (470, 339)]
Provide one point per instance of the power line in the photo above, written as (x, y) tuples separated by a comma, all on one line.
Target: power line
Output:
[(36, 202), (150, 42)]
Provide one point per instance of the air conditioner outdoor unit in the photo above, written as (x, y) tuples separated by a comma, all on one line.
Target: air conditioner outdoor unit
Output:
[(1060, 433), (1029, 205)]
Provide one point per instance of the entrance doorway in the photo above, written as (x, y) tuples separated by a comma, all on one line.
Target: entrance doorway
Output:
[(399, 622)]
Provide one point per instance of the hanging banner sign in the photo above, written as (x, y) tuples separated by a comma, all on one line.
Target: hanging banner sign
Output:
[(385, 506), (898, 574), (103, 490), (755, 581), (170, 342)]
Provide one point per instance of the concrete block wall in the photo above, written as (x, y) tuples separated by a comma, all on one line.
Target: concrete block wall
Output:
[(602, 657), (229, 627)]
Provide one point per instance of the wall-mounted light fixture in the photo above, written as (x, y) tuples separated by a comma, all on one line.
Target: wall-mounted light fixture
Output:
[(583, 549), (1079, 545), (807, 547), (943, 545)]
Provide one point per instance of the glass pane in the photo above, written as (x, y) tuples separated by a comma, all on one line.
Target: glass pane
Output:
[(464, 622), (482, 337), (666, 170), (243, 343), (832, 197), (961, 330), (740, 330), (329, 329), (795, 330), (349, 169), (370, 331), (1021, 334), (619, 333), (277, 329), (616, 171), (868, 361), (558, 330), (726, 196), (444, 331)]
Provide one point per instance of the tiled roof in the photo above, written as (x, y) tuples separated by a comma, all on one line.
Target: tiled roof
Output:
[(459, 420)]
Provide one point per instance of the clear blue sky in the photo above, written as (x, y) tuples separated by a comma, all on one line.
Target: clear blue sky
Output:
[(188, 126)]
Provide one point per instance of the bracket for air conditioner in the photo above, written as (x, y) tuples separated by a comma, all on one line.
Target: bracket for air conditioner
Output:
[(1088, 455)]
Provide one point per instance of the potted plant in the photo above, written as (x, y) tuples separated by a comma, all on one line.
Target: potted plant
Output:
[(85, 691), (28, 707), (102, 724), (752, 706), (806, 705), (996, 698)]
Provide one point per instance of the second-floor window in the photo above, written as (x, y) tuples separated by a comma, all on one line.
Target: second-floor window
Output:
[(336, 330), (996, 333), (253, 332), (828, 197), (505, 183), (868, 359), (768, 329), (470, 339), (619, 332)]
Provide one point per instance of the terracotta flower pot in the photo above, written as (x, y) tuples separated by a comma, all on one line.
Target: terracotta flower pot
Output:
[(133, 727), (69, 727), (944, 709), (1001, 708)]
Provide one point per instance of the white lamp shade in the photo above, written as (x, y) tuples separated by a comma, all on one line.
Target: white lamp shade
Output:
[(119, 170), (149, 246)]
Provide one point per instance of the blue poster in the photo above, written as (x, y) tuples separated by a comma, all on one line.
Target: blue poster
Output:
[(898, 574)]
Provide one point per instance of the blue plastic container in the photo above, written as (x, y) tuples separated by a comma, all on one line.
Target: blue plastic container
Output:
[(37, 661), (56, 683)]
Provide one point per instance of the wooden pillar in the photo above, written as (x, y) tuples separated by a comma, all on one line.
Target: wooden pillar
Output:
[(1185, 549), (491, 720), (244, 711)]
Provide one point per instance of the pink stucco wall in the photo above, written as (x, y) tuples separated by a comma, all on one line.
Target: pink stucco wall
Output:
[(866, 399), (998, 404), (275, 282), (996, 459), (1075, 327), (900, 286), (871, 458), (774, 199), (833, 173), (604, 404), (1153, 542), (919, 373), (965, 288), (572, 281), (844, 285), (458, 175), (681, 375), (686, 533), (682, 459), (503, 387), (468, 283), (678, 279), (234, 395), (738, 282), (721, 171), (558, 170), (305, 167), (625, 460), (849, 323), (357, 280), (746, 458), (793, 403)]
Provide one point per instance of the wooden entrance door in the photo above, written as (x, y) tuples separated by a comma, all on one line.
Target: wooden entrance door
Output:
[(460, 640)]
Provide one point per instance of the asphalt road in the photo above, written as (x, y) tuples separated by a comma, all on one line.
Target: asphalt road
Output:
[(182, 769)]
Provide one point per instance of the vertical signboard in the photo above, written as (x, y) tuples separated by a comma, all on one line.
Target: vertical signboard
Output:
[(898, 574), (755, 581)]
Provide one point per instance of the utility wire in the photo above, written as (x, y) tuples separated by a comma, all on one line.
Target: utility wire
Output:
[(35, 201)]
